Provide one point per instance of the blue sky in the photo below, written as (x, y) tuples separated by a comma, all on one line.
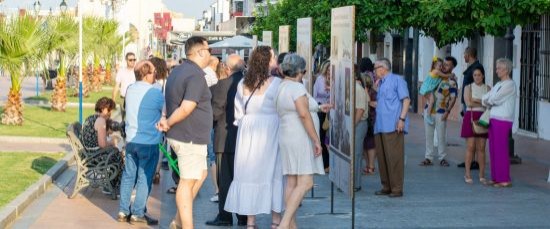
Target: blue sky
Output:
[(189, 8)]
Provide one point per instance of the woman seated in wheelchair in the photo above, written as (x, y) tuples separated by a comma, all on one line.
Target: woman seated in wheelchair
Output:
[(99, 126)]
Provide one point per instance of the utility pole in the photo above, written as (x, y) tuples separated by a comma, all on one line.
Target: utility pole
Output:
[(514, 158)]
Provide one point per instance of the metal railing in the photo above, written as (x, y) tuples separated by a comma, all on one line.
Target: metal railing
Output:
[(529, 90), (544, 65)]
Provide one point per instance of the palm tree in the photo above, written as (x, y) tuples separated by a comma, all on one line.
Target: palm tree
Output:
[(109, 43), (96, 28), (113, 44), (21, 41), (64, 42)]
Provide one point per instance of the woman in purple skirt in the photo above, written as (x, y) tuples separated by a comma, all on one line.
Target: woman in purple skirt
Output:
[(502, 100), (474, 142)]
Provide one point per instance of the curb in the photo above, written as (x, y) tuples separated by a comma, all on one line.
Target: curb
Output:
[(14, 139), (15, 208), (87, 105), (41, 103)]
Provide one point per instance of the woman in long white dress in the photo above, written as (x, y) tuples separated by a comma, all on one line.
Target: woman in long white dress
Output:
[(257, 186), (299, 142)]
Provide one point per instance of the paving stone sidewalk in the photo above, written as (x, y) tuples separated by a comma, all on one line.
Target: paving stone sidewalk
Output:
[(9, 145), (435, 196)]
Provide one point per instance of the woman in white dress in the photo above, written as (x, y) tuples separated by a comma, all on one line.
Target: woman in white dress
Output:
[(299, 142), (257, 186)]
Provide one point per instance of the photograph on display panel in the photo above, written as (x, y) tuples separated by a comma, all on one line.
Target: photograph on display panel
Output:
[(348, 92), (332, 82), (342, 96), (341, 133)]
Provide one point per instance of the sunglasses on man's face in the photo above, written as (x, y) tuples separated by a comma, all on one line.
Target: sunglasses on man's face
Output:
[(131, 60)]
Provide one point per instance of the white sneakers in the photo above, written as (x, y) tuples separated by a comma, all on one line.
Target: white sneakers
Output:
[(214, 198)]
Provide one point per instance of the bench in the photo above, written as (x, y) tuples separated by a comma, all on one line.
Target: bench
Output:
[(95, 168)]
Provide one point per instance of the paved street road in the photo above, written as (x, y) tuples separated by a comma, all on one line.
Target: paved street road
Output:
[(434, 197)]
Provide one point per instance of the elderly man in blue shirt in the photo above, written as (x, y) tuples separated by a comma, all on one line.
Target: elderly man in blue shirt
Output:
[(144, 105), (390, 126)]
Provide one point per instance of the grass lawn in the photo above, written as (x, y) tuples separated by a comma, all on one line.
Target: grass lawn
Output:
[(20, 170), (92, 98), (42, 122)]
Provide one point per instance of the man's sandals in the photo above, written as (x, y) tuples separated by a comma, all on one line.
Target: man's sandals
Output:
[(172, 190), (368, 170), (426, 162)]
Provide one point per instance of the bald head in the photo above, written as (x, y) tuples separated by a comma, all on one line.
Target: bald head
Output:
[(235, 63), (213, 62)]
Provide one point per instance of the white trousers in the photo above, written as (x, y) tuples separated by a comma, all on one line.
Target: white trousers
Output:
[(439, 128)]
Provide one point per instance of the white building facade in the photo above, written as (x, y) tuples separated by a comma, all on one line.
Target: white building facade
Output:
[(532, 78), (139, 13)]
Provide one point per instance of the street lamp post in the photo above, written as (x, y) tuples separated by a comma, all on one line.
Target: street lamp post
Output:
[(150, 35), (509, 48), (63, 7), (205, 18), (80, 58), (36, 6), (114, 5), (79, 61)]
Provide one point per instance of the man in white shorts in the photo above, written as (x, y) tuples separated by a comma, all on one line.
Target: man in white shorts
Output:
[(189, 122)]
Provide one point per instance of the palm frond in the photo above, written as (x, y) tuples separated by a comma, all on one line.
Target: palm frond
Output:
[(22, 41)]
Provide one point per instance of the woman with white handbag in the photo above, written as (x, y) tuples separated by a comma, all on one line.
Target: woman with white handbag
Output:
[(502, 100), (476, 136)]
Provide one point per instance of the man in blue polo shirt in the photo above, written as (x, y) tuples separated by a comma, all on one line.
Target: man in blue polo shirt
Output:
[(144, 105), (390, 127)]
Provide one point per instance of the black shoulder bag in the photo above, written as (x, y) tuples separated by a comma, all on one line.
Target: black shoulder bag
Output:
[(251, 94)]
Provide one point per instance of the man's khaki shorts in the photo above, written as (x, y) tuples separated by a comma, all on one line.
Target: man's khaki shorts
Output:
[(191, 159)]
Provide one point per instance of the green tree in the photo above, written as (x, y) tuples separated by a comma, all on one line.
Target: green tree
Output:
[(447, 21), (286, 12), (105, 44), (378, 16), (21, 45), (451, 21), (112, 44), (91, 33), (63, 42)]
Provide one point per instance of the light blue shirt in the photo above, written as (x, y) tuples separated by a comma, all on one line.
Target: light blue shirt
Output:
[(393, 89), (144, 105)]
